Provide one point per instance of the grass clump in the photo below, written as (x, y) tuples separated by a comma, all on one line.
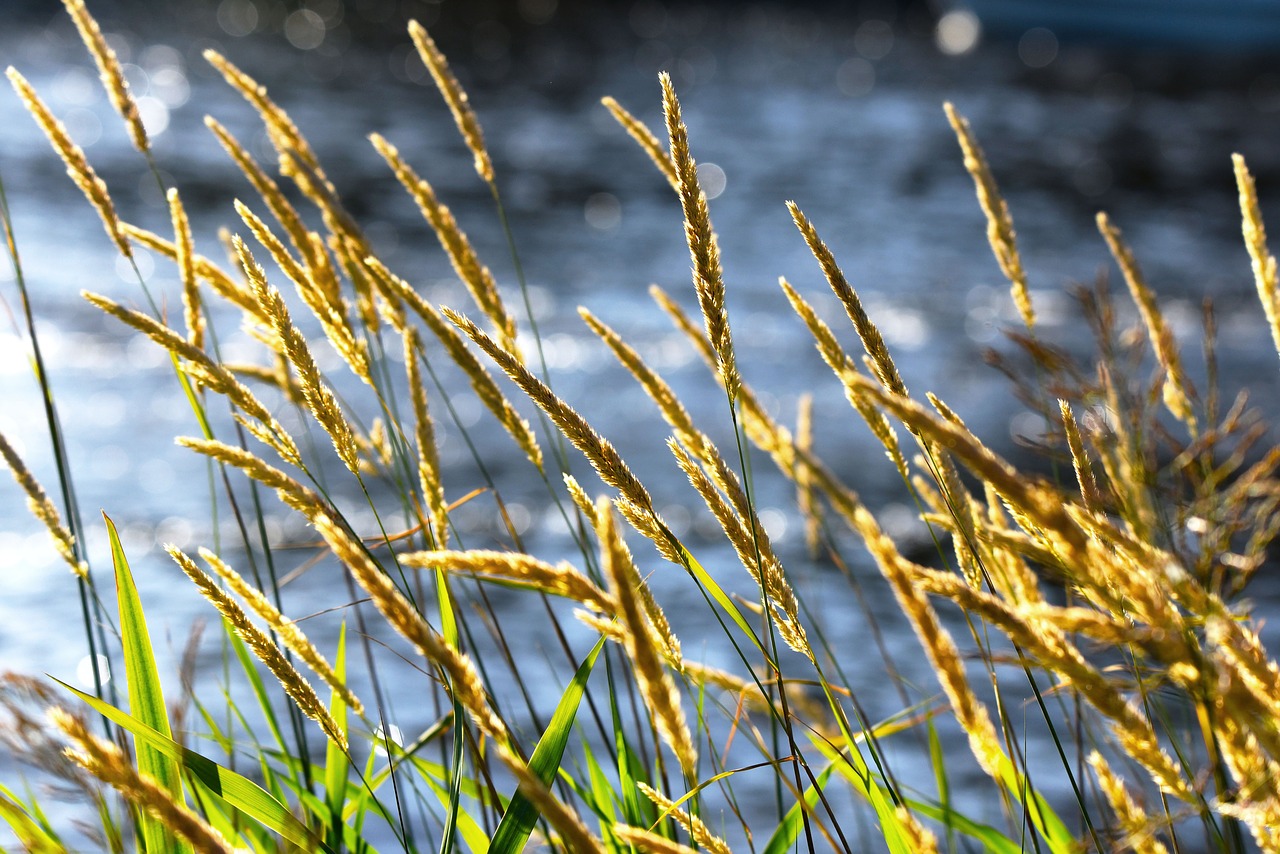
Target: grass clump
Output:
[(1082, 594)]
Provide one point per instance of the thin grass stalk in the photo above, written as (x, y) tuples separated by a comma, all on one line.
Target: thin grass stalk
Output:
[(92, 612)]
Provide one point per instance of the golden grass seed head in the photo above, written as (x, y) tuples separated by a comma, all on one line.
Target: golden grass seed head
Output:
[(43, 508), (872, 341), (695, 826), (704, 248), (656, 685), (1000, 231), (293, 682), (559, 579), (285, 629), (454, 95), (1177, 390), (107, 762), (1255, 241), (601, 453), (191, 304), (93, 187), (648, 841), (394, 288), (113, 79), (647, 140)]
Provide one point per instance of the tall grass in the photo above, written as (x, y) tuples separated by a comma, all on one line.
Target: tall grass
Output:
[(1107, 598)]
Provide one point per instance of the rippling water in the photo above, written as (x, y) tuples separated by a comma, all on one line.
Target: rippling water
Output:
[(841, 113)]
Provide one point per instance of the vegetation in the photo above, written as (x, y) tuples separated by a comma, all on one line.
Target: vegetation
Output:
[(1110, 594)]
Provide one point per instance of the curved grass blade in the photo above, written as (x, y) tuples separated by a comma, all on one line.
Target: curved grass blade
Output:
[(722, 598), (521, 815), (226, 785), (146, 700), (28, 831)]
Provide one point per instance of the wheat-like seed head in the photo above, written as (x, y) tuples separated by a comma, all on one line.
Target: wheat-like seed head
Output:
[(281, 208), (93, 187), (647, 140), (292, 493), (455, 97), (293, 682), (185, 246), (751, 544), (320, 398), (1255, 240), (1136, 823), (281, 130), (108, 763), (208, 373), (704, 248), (559, 579), (474, 274), (574, 835), (113, 79), (840, 362), (648, 841), (43, 508), (656, 686), (872, 341), (606, 460), (285, 629), (222, 284), (695, 826), (1177, 389), (465, 682), (398, 290), (1000, 233), (429, 475)]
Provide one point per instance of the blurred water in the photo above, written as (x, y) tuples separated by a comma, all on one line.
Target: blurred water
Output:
[(840, 112)]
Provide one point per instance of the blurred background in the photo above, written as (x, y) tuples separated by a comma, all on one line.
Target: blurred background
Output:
[(835, 105)]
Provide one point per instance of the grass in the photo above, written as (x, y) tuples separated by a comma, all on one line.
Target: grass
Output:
[(1104, 603)]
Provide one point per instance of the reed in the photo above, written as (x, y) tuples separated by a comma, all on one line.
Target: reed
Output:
[(1104, 610)]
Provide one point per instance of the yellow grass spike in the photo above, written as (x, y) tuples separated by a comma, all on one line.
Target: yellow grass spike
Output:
[(1177, 389), (1000, 233)]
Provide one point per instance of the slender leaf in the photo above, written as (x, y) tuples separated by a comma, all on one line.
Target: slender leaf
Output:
[(722, 598), (33, 837), (521, 815), (231, 788), (146, 700)]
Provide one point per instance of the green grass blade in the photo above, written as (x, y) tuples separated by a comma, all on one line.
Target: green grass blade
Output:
[(231, 788), (1054, 832), (992, 840), (854, 768), (28, 831), (146, 699), (335, 759), (788, 831), (449, 631), (722, 598), (521, 815)]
